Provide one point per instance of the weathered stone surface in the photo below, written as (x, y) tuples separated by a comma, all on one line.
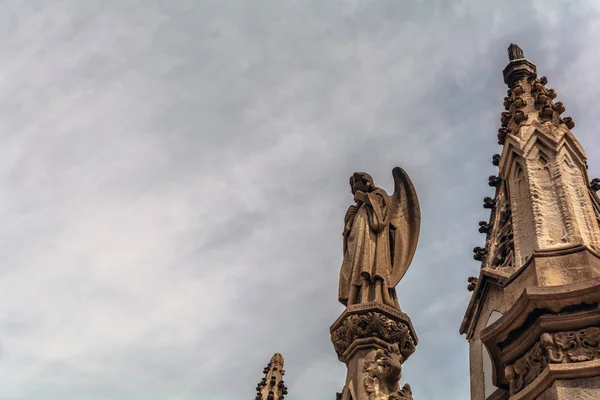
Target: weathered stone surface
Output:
[(272, 387), (373, 324), (382, 370), (573, 389), (556, 347), (379, 239), (373, 337), (540, 265)]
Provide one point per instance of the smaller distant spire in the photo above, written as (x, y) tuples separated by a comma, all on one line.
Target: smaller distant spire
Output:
[(515, 52), (272, 387)]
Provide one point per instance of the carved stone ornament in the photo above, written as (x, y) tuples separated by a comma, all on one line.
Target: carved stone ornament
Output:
[(479, 254), (553, 348), (496, 160), (484, 227), (373, 324), (559, 107), (472, 282), (379, 239), (518, 102), (518, 90), (569, 122), (504, 240), (502, 133), (515, 52), (494, 181), (520, 116), (382, 371), (489, 203)]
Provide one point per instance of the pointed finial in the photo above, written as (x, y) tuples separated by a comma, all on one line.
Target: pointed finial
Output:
[(277, 359), (515, 52), (518, 66)]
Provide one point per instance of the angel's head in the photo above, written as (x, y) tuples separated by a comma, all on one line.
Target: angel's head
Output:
[(361, 181)]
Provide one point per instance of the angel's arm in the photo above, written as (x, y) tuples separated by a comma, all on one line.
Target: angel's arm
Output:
[(361, 196), (378, 210)]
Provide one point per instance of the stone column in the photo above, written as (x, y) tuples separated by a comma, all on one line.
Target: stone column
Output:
[(373, 340)]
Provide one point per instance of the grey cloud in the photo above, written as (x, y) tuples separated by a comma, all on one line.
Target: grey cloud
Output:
[(175, 177)]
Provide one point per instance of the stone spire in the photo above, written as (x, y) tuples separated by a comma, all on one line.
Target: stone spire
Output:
[(540, 263), (272, 387), (543, 168)]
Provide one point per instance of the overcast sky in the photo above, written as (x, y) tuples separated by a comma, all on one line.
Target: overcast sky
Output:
[(174, 176)]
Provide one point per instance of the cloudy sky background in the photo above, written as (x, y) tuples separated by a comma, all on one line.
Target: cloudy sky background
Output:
[(174, 176)]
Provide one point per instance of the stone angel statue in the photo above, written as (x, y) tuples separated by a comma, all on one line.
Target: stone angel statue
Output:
[(379, 239)]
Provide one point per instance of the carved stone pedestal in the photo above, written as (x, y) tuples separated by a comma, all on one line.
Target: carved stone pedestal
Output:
[(373, 340)]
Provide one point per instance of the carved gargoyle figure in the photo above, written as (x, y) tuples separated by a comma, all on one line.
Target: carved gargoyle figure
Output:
[(537, 86), (505, 117), (569, 122), (488, 202), (379, 239), (542, 99), (547, 111), (520, 116), (507, 103), (518, 90), (595, 184), (484, 227), (496, 159), (479, 254), (502, 133), (559, 107), (552, 93), (383, 370), (519, 102), (494, 181), (471, 283)]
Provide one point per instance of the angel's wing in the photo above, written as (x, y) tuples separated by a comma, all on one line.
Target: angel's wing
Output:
[(405, 218)]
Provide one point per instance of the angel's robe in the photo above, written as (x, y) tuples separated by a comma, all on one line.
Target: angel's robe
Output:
[(367, 263)]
